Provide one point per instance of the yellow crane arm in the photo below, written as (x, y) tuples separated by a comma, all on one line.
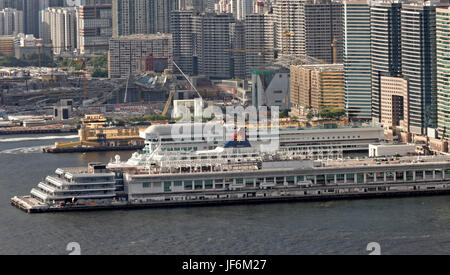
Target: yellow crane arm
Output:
[(169, 100)]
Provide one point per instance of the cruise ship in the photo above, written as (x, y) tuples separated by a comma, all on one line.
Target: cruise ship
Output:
[(317, 142), (235, 172)]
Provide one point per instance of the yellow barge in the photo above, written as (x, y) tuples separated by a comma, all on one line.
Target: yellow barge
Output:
[(95, 135)]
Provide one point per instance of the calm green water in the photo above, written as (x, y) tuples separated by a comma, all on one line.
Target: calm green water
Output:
[(400, 226)]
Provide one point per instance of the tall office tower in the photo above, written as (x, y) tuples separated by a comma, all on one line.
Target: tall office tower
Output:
[(237, 36), (211, 40), (385, 48), (183, 40), (11, 21), (418, 36), (59, 28), (127, 53), (94, 28), (290, 26), (324, 30), (259, 41), (357, 67), (443, 70)]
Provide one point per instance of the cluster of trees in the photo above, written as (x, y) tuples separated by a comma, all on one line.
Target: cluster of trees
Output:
[(284, 114), (25, 61), (331, 113), (327, 113), (99, 64)]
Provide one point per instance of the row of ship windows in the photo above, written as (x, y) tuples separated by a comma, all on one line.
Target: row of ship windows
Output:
[(327, 178), (82, 180), (285, 139)]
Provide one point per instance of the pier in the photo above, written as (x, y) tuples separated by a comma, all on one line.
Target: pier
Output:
[(251, 196)]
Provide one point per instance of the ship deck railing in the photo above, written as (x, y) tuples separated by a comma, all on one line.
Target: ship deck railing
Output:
[(385, 161)]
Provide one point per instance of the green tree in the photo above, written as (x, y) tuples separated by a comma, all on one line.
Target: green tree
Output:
[(284, 114), (331, 113), (99, 73)]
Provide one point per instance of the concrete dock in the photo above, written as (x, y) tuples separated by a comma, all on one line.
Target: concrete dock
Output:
[(29, 205)]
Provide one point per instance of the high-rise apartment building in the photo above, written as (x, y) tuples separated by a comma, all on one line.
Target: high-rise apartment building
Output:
[(239, 8), (142, 16), (160, 19), (94, 28), (127, 54), (237, 36), (196, 5), (6, 4), (11, 21), (310, 27), (211, 41), (130, 17), (290, 15), (357, 60), (259, 41), (59, 28), (385, 48), (183, 40), (324, 30)]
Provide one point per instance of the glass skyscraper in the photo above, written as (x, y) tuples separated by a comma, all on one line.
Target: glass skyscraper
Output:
[(443, 70), (357, 58)]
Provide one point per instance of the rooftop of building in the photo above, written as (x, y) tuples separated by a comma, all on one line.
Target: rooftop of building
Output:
[(323, 67), (286, 60), (143, 36)]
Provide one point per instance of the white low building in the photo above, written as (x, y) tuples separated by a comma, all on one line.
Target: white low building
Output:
[(387, 150), (273, 91)]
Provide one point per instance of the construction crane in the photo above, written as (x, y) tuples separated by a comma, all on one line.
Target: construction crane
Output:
[(287, 45), (173, 90), (169, 101), (334, 47)]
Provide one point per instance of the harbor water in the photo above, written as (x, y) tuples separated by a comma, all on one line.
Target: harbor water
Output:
[(401, 226)]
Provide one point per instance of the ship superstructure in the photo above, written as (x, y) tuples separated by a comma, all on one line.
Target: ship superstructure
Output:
[(315, 142)]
